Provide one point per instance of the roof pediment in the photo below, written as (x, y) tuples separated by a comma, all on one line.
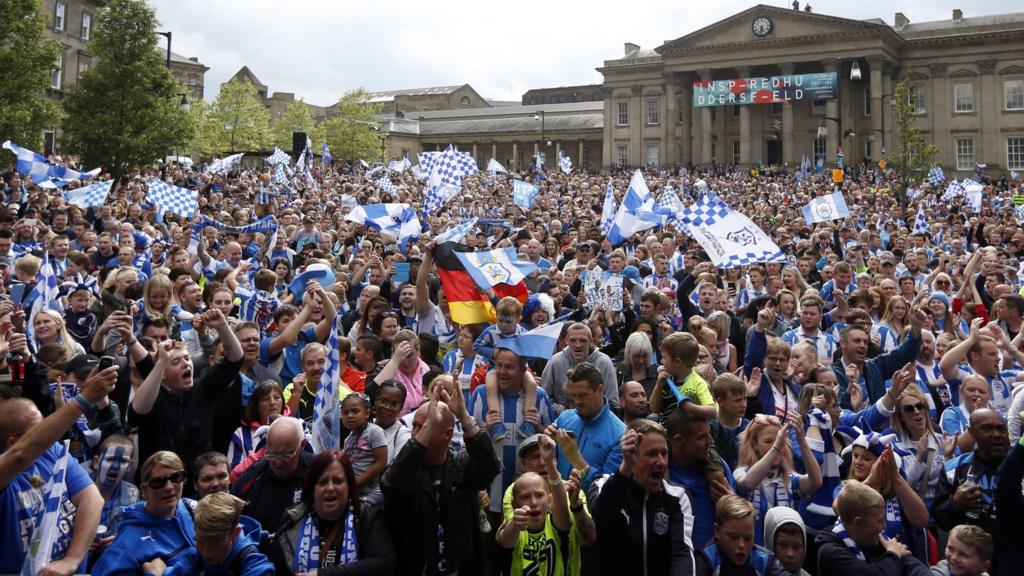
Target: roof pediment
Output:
[(787, 26)]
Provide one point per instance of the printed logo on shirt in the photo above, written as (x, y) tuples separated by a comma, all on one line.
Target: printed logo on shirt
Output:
[(660, 523)]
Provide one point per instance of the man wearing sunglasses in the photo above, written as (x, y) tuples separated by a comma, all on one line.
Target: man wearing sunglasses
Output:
[(274, 482)]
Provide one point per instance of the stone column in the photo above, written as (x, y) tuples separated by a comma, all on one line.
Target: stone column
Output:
[(579, 157), (939, 112), (832, 111), (990, 150), (789, 152), (558, 152), (686, 113), (609, 123), (668, 122), (745, 110), (636, 127), (706, 127), (878, 69), (515, 155), (475, 158), (494, 151)]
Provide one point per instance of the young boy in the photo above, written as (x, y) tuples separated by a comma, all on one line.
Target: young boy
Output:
[(733, 551), (676, 377), (968, 553), (730, 394), (80, 322), (259, 304), (509, 313), (855, 546), (786, 538), (220, 548)]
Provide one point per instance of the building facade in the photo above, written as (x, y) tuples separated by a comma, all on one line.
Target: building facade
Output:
[(967, 89), (563, 94)]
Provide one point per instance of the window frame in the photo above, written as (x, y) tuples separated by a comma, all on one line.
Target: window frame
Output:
[(957, 97), (60, 15), (735, 156), (656, 150), (964, 158), (622, 154), (918, 92), (1018, 143), (57, 74), (653, 106), (1019, 97), (622, 111), (86, 30)]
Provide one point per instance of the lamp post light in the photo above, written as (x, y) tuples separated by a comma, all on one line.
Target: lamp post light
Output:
[(168, 35)]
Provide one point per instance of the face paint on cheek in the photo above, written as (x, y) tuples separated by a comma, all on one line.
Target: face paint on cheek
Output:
[(113, 466)]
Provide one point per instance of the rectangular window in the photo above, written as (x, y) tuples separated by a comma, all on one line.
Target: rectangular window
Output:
[(963, 96), (59, 11), (622, 155), (776, 108), (1015, 153), (735, 111), (623, 114), (1014, 92), (736, 152), (83, 65), (652, 155), (867, 149), (57, 76), (679, 109), (652, 112), (915, 98), (586, 157), (867, 100), (714, 148), (820, 148), (965, 154), (86, 25)]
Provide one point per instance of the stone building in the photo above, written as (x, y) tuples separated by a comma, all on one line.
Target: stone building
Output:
[(397, 102), (967, 77), (278, 102), (563, 94)]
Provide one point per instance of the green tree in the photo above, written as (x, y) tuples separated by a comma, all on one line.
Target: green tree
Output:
[(26, 59), (203, 144), (126, 112), (352, 132), (914, 155), (297, 118), (241, 121)]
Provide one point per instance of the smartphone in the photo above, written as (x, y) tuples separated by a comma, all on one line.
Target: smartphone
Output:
[(17, 295), (105, 362), (30, 221)]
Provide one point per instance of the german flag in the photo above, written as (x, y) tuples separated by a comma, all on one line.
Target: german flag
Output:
[(467, 303)]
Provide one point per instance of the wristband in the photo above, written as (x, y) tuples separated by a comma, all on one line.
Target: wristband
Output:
[(84, 403), (555, 483)]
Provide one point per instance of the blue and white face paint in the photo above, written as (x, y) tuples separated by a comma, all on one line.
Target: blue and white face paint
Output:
[(114, 464)]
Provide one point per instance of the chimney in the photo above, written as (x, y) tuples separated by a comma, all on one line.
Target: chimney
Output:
[(630, 47), (901, 20), (958, 15)]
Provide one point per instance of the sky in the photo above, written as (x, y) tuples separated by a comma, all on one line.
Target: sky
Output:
[(320, 49)]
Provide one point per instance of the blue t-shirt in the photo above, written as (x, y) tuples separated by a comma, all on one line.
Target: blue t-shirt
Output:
[(21, 507), (700, 499), (292, 354)]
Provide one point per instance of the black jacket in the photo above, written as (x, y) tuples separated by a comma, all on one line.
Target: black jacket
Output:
[(640, 533), (412, 510), (267, 496), (376, 552), (1011, 525), (836, 559)]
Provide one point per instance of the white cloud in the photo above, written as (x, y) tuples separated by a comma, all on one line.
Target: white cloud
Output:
[(318, 49)]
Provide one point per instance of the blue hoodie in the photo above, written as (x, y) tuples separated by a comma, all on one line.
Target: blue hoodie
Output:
[(244, 558), (142, 536)]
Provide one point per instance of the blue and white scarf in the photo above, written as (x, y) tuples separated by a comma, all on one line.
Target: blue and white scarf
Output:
[(893, 527), (307, 547), (267, 225)]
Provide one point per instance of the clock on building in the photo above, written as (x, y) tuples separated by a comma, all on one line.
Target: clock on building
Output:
[(762, 26)]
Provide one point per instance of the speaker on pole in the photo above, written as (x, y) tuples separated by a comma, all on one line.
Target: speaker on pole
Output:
[(298, 144)]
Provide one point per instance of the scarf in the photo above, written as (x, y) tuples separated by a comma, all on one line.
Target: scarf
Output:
[(820, 502), (307, 547), (267, 225), (893, 527)]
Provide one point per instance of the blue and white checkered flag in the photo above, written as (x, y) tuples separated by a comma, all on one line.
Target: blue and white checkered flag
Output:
[(426, 163), (400, 166), (396, 219), (385, 184), (180, 201), (445, 180), (729, 238), (564, 163), (920, 222), (457, 232), (326, 405), (226, 164), (953, 190), (524, 194), (278, 157), (670, 200), (935, 175), (89, 196), (608, 210), (45, 174)]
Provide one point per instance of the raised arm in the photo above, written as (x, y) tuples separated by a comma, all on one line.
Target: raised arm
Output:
[(423, 279), (146, 393), (746, 483), (950, 363), (232, 348), (812, 480), (324, 327), (291, 332)]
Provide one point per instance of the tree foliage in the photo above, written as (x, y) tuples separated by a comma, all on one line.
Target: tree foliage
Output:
[(914, 155), (297, 117), (239, 121), (351, 132), (126, 111), (26, 60)]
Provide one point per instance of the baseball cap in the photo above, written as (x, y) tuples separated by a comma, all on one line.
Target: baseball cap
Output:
[(80, 365), (528, 443)]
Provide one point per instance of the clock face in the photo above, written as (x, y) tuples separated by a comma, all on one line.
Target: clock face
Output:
[(762, 26)]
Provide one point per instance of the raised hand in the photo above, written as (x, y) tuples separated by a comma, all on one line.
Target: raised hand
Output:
[(754, 382)]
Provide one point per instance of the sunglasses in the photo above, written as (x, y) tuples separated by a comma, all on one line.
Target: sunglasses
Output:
[(912, 408), (161, 481)]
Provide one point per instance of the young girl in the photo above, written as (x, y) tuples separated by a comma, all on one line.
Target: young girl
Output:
[(366, 445), (264, 406), (536, 537), (765, 475), (874, 463), (386, 407)]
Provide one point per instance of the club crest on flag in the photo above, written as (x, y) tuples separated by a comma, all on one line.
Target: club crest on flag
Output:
[(744, 236), (823, 211)]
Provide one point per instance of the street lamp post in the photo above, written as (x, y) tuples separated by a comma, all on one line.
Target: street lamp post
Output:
[(168, 35)]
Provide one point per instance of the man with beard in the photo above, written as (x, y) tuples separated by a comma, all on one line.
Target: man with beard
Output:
[(171, 412), (633, 401)]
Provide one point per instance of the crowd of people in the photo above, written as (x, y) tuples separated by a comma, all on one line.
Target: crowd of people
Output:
[(849, 411)]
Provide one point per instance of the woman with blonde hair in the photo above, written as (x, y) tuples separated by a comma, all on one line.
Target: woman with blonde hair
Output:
[(893, 322), (724, 352), (916, 436), (765, 475), (793, 280), (115, 293), (156, 299), (48, 328)]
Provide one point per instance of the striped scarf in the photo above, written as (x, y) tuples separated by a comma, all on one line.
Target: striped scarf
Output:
[(309, 556)]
